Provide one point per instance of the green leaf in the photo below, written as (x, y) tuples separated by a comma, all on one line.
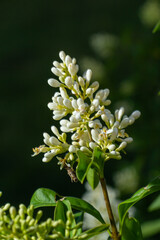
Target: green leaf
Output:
[(151, 228), (123, 207), (92, 178), (60, 213), (155, 205), (84, 206), (44, 197), (94, 231), (156, 28), (84, 163), (131, 229), (98, 160)]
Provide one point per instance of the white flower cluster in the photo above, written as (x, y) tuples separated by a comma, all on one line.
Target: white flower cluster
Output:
[(81, 109)]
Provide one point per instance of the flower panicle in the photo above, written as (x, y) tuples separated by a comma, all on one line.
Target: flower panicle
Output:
[(82, 110)]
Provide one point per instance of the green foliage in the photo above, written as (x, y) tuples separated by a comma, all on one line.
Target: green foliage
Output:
[(76, 203), (43, 197), (84, 163), (123, 207), (151, 228), (157, 27), (128, 225), (155, 205), (131, 229), (90, 167), (92, 178)]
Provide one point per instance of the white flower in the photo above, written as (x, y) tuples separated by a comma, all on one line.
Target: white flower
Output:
[(87, 118)]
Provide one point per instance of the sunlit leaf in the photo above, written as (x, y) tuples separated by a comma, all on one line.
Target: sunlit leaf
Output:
[(123, 207), (44, 197), (84, 206)]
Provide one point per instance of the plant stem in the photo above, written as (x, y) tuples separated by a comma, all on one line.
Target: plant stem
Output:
[(115, 234)]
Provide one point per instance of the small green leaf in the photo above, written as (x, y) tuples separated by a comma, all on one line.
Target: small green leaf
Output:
[(44, 197), (123, 207), (60, 213), (92, 178), (84, 163), (94, 231), (98, 160), (84, 206), (151, 228), (156, 28), (131, 229), (155, 205)]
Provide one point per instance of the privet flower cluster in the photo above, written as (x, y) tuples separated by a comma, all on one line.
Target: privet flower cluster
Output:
[(82, 110), (21, 224)]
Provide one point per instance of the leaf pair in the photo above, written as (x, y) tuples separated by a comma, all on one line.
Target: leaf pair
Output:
[(90, 167), (45, 197)]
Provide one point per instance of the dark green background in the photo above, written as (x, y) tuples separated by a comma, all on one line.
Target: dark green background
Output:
[(31, 35)]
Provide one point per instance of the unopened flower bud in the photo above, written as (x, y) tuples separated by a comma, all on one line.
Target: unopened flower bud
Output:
[(56, 72), (63, 92), (136, 114), (54, 141), (121, 146), (95, 85), (55, 131), (128, 140), (39, 215), (62, 55), (69, 82), (88, 76), (53, 83), (57, 64), (6, 206), (68, 60), (81, 81), (124, 123), (12, 212), (72, 149), (67, 103), (73, 69), (120, 113)]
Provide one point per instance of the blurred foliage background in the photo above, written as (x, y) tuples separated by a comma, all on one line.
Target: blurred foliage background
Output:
[(114, 39)]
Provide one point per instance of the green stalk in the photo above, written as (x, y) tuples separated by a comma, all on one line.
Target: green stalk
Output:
[(115, 234)]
